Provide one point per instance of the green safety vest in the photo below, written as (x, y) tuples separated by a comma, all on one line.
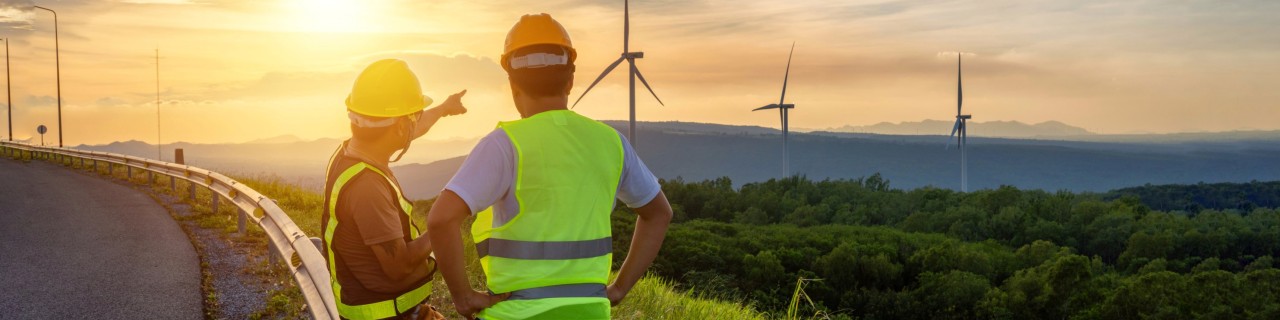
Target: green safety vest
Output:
[(381, 309), (555, 254)]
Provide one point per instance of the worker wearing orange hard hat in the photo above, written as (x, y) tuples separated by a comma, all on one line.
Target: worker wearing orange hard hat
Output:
[(380, 266), (542, 190)]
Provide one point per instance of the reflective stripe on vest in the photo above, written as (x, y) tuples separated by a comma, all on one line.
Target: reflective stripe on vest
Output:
[(559, 243), (583, 290), (381, 309), (544, 250)]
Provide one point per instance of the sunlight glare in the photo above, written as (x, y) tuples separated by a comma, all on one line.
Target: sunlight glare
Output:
[(332, 16)]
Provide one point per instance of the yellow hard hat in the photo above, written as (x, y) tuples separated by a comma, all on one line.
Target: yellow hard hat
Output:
[(535, 29), (387, 88)]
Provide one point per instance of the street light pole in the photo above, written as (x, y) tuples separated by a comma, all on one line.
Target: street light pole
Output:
[(58, 68), (8, 87), (159, 154)]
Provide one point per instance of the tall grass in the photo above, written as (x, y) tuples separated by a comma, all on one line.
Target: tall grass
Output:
[(656, 298)]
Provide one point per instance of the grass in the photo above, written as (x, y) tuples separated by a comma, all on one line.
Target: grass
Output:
[(657, 298)]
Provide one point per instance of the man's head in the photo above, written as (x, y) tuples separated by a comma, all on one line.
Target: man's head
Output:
[(384, 105), (539, 60)]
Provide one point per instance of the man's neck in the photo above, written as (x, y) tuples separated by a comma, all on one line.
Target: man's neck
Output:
[(368, 152), (544, 104)]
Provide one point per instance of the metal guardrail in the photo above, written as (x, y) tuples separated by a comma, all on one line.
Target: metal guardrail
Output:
[(303, 258)]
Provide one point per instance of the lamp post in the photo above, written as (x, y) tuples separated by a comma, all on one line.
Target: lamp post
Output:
[(58, 68), (8, 87), (159, 154)]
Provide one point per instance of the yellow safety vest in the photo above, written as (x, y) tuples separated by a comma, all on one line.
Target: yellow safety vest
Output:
[(555, 254), (381, 309)]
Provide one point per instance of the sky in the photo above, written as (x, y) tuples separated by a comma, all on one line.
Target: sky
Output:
[(239, 70)]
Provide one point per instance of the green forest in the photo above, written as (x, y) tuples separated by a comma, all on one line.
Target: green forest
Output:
[(868, 251)]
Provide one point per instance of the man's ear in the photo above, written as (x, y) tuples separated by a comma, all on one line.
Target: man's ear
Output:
[(515, 90)]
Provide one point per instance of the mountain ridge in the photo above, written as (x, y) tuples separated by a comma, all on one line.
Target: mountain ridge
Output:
[(696, 151)]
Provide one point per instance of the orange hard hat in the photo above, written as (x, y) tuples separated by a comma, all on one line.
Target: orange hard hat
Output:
[(536, 29)]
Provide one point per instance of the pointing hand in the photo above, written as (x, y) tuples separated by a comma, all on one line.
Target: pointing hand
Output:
[(453, 105)]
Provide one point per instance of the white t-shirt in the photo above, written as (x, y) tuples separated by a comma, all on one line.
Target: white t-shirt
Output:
[(487, 177)]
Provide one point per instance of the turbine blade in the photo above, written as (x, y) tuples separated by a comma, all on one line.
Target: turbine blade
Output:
[(646, 86), (959, 84), (601, 77), (771, 106), (787, 75), (954, 128), (626, 26)]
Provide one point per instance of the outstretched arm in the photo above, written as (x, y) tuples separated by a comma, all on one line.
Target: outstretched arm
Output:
[(443, 224), (451, 106), (651, 229)]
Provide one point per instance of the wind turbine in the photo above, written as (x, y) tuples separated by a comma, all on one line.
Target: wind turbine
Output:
[(960, 126), (782, 111), (630, 58)]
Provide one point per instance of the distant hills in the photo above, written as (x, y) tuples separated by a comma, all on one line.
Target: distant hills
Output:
[(295, 160), (697, 151), (1004, 129)]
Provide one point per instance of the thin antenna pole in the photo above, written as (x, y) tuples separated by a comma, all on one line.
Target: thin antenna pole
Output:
[(159, 143)]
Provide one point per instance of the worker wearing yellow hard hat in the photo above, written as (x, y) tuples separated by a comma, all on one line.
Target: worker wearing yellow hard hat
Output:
[(380, 265), (542, 190)]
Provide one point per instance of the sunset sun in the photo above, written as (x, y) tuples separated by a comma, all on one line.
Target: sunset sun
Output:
[(331, 16)]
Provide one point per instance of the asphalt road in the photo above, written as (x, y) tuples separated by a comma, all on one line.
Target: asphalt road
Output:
[(75, 246)]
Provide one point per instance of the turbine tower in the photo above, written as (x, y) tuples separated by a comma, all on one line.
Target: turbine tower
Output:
[(961, 126), (630, 58), (782, 111)]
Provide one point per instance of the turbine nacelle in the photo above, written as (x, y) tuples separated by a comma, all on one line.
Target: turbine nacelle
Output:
[(633, 55)]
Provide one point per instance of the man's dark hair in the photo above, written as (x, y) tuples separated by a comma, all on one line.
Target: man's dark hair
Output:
[(548, 81), (372, 133)]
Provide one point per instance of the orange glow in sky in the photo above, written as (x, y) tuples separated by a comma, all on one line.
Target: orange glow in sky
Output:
[(240, 70)]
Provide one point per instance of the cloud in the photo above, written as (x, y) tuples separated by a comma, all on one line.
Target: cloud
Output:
[(39, 101), (446, 72), (16, 14), (110, 102)]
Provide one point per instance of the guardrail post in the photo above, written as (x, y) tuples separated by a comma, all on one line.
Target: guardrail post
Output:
[(128, 172), (240, 218), (216, 197), (272, 259), (110, 166)]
